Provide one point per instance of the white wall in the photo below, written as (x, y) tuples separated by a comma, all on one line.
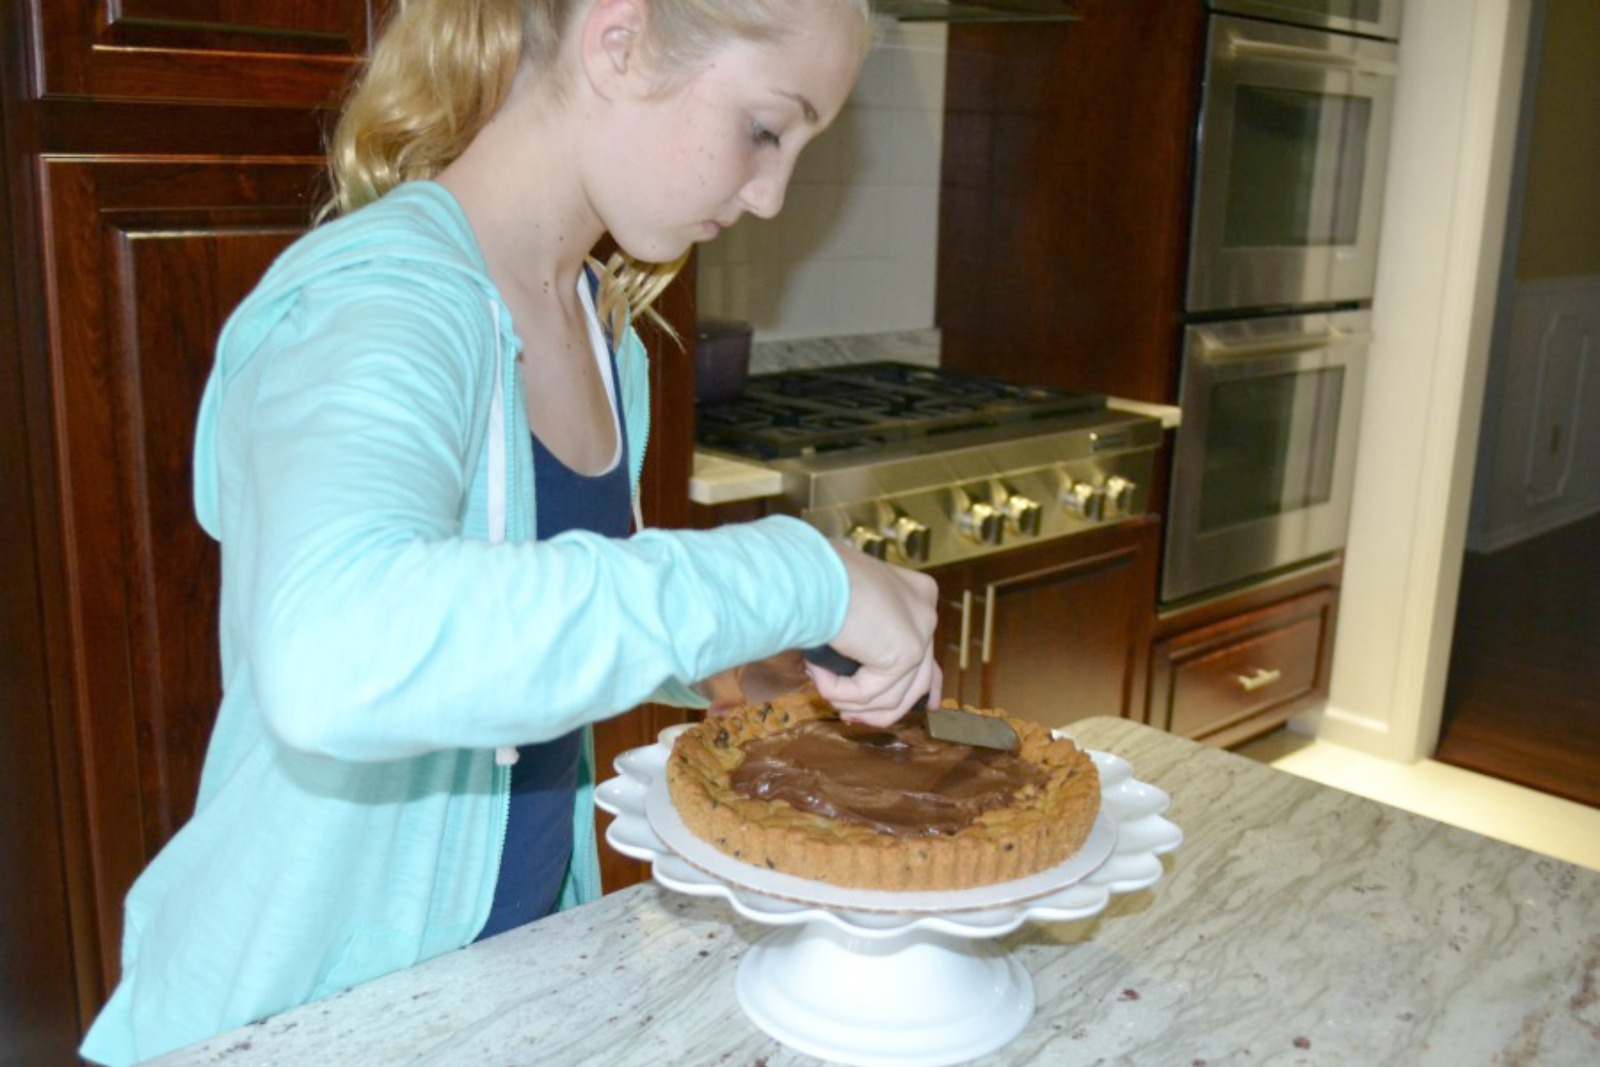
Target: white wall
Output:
[(1539, 465), (1558, 215), (1539, 453), (854, 250)]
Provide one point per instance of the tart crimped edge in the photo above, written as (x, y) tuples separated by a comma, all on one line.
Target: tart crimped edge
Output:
[(1040, 829)]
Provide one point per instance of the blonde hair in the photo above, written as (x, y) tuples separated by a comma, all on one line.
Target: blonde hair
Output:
[(443, 67)]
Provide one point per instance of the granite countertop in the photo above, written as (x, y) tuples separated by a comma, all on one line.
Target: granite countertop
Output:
[(1297, 924), (722, 479)]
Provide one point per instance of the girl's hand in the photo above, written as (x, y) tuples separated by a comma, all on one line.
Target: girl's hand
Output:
[(888, 629)]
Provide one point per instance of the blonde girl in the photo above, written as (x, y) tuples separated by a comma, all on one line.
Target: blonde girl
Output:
[(420, 448)]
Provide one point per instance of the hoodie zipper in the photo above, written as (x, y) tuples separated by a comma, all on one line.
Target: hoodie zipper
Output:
[(499, 495), (636, 467)]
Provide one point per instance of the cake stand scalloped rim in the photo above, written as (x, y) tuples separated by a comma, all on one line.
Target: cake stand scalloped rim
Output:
[(1136, 809)]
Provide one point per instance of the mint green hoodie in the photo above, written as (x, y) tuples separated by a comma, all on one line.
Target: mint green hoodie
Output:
[(387, 621)]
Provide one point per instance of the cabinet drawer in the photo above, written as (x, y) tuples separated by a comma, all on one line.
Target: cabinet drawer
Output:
[(1221, 674)]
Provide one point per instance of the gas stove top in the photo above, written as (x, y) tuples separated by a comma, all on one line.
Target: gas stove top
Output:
[(928, 467), (798, 413)]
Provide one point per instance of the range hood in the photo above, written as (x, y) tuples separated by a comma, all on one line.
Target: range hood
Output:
[(976, 10)]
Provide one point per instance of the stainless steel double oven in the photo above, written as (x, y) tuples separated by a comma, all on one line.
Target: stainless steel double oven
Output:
[(1291, 151)]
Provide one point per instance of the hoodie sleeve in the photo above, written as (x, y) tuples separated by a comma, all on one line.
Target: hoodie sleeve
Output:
[(374, 629)]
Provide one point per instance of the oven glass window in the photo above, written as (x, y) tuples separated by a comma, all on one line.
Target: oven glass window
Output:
[(1297, 167), (1269, 446)]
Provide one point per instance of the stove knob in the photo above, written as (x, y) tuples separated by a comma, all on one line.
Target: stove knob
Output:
[(869, 541), (913, 537), (1119, 493), (1084, 501), (1024, 515), (979, 520)]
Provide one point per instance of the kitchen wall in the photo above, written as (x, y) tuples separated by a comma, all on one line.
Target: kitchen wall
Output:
[(853, 251), (1539, 456), (1560, 214)]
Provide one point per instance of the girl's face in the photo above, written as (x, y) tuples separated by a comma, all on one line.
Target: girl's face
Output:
[(681, 165)]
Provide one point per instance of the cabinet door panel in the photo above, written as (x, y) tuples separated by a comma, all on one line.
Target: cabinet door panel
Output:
[(1060, 640), (245, 51), (144, 260), (1064, 196), (38, 994)]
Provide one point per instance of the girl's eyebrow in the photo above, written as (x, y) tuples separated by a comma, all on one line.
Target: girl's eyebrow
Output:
[(806, 106)]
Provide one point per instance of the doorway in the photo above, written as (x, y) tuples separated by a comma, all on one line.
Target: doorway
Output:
[(1522, 700)]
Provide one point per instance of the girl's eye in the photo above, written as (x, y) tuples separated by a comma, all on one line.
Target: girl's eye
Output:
[(763, 136)]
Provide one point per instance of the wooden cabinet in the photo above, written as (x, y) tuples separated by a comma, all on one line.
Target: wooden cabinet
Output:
[(140, 206), (1235, 668), (158, 155), (1054, 632), (208, 51), (143, 261), (1063, 201)]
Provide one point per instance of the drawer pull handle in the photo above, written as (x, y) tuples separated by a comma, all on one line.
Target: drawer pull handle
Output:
[(1256, 679)]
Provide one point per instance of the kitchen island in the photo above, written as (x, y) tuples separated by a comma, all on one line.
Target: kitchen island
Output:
[(1297, 924)]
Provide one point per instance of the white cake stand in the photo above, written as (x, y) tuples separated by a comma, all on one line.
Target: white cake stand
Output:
[(879, 979)]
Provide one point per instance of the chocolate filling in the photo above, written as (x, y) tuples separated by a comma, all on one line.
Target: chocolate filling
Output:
[(898, 780)]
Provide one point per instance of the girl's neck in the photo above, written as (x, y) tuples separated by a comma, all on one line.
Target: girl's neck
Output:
[(520, 188), (525, 203)]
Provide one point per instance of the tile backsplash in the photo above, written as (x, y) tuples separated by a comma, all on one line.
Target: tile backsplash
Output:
[(855, 247)]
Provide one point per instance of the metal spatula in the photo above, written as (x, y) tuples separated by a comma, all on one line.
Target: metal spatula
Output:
[(969, 728), (945, 724)]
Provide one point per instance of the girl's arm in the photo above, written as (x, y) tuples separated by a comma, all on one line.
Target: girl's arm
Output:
[(376, 630)]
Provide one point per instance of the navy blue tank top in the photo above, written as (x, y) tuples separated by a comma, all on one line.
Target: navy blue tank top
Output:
[(544, 780)]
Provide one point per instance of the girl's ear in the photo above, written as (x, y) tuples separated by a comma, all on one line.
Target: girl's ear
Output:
[(610, 45)]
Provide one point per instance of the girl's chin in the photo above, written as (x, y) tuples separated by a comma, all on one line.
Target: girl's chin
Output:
[(661, 250)]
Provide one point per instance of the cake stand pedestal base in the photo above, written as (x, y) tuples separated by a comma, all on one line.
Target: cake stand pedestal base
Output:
[(875, 979), (921, 998)]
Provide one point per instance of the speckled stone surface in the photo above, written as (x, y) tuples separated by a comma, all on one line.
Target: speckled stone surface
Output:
[(1297, 924), (920, 347)]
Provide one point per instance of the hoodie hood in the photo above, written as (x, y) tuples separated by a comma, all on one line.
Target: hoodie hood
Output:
[(417, 226)]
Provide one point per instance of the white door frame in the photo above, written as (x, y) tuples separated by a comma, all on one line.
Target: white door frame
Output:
[(1444, 225)]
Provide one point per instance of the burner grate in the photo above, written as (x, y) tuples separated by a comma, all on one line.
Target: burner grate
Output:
[(799, 412)]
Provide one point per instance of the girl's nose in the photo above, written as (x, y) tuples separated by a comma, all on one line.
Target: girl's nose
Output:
[(763, 194)]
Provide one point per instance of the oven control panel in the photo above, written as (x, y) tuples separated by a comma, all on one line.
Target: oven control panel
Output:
[(941, 507)]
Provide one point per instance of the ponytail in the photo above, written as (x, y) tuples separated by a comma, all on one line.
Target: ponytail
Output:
[(436, 76)]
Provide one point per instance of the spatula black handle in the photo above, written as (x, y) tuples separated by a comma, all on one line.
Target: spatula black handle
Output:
[(832, 659)]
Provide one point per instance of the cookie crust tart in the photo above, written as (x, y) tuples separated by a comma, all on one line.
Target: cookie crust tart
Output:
[(966, 817)]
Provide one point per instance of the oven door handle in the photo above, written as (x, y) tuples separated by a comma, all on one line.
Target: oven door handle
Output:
[(1286, 345), (1240, 47), (989, 597), (963, 658)]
